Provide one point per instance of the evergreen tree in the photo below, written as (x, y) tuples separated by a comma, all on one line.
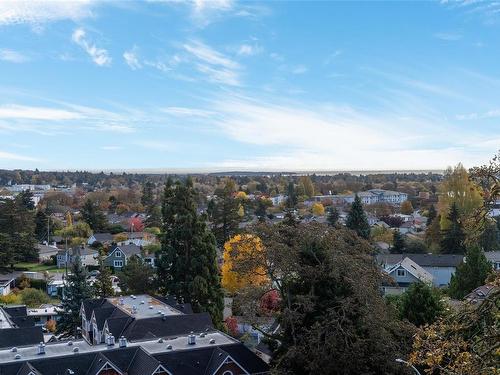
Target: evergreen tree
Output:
[(433, 234), (148, 198), (490, 238), (470, 274), (103, 286), (41, 225), (94, 217), (187, 262), (76, 290), (224, 214), (136, 277), (333, 217), (421, 304), (356, 219), (398, 243), (453, 237), (431, 215), (17, 231), (291, 200), (261, 209)]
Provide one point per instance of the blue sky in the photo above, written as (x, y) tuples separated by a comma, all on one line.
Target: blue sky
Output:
[(226, 85)]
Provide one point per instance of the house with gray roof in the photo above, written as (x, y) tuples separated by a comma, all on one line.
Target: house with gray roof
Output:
[(440, 266), (118, 256)]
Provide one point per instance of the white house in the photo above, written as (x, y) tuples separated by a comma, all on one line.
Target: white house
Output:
[(5, 286)]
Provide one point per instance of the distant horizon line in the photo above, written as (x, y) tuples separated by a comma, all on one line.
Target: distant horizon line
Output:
[(235, 172)]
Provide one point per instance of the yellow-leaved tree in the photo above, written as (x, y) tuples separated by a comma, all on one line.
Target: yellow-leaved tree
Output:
[(458, 188), (242, 266), (318, 209)]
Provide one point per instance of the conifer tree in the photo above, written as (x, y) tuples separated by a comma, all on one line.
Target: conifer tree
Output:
[(453, 237), (187, 261), (94, 217), (421, 304), (356, 219), (333, 217), (41, 225), (224, 214), (470, 274), (431, 215), (103, 286), (398, 243), (76, 290)]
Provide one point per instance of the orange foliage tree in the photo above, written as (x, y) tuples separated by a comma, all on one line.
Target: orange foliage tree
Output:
[(241, 266)]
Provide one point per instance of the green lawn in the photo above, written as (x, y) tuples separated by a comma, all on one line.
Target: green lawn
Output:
[(36, 267)]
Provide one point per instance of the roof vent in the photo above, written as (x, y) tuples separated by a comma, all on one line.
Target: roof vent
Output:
[(17, 356), (159, 312), (202, 334), (122, 301), (142, 302), (150, 307), (70, 372), (134, 309), (160, 340), (191, 339), (122, 342), (111, 340), (41, 348), (169, 347), (212, 341), (75, 349), (14, 349), (70, 343), (132, 296)]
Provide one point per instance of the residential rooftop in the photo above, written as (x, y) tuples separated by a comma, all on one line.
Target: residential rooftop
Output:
[(143, 306), (68, 348)]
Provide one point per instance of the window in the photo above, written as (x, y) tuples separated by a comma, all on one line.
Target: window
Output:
[(118, 263), (227, 373), (497, 266), (401, 272), (118, 253)]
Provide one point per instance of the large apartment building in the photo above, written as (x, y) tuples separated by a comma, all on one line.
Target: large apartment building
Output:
[(137, 335)]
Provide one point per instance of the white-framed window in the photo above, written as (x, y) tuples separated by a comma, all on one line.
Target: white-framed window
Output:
[(118, 263), (118, 253), (401, 272), (227, 372), (496, 266)]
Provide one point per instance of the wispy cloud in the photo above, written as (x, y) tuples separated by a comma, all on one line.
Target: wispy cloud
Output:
[(12, 56), (132, 59), (11, 156), (249, 50), (186, 112), (298, 69), (494, 113), (450, 37), (36, 113), (98, 55), (42, 11), (217, 67)]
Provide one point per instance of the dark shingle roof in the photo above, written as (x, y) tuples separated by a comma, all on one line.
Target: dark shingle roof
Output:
[(198, 361), (103, 237), (10, 337), (90, 304), (423, 260), (142, 363), (171, 325)]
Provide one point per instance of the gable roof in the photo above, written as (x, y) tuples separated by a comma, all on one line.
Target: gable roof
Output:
[(128, 250), (200, 361), (28, 369), (167, 326), (414, 269), (103, 237), (423, 260), (89, 305)]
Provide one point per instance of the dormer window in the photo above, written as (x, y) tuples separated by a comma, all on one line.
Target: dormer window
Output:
[(401, 272), (118, 253)]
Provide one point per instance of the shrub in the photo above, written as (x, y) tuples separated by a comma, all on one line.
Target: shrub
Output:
[(33, 297)]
